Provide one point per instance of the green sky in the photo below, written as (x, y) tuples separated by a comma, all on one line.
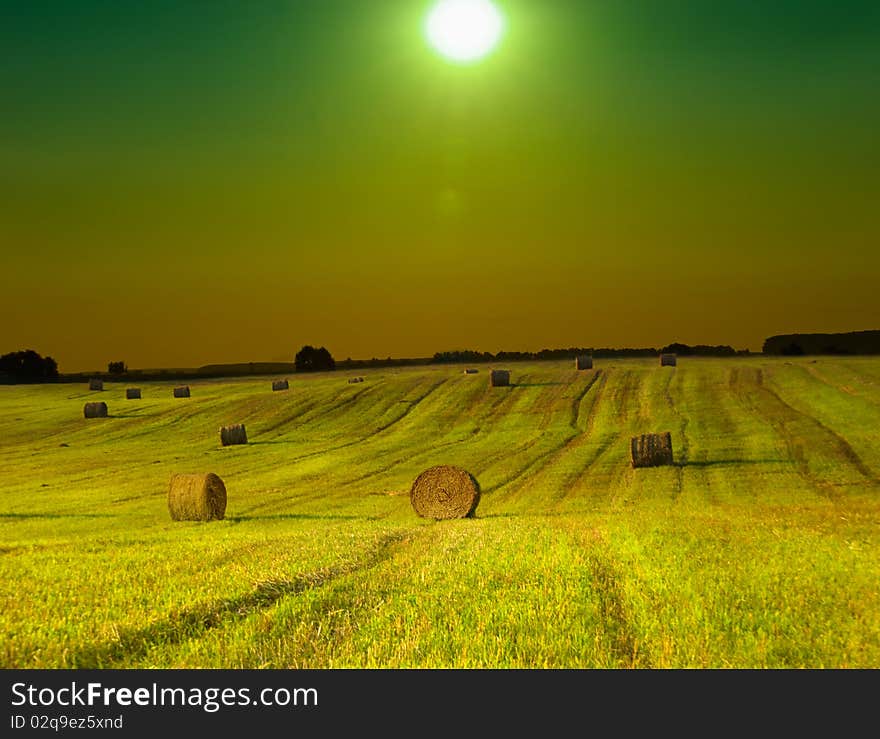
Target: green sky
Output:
[(183, 183)]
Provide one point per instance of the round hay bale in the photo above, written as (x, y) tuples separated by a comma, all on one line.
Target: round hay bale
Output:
[(651, 450), (182, 391), (95, 410), (445, 492), (196, 497), (280, 385), (584, 362), (668, 360), (471, 371), (96, 384), (499, 378), (133, 393), (235, 434)]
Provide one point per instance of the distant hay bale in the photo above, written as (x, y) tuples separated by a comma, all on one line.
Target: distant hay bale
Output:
[(471, 371), (196, 497), (584, 362), (280, 385), (651, 450), (235, 434), (445, 492), (95, 410), (133, 393), (500, 378), (353, 380), (96, 384), (182, 391), (668, 360)]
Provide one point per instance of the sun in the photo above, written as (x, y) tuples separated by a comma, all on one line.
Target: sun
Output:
[(464, 30)]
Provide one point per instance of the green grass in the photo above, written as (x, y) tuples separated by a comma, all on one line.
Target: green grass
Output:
[(760, 547)]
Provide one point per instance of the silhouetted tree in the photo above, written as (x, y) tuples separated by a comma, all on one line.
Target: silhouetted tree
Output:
[(117, 368), (27, 366), (309, 359)]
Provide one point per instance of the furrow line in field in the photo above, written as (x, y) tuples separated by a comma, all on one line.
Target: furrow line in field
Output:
[(297, 414), (769, 406), (576, 401), (568, 444), (412, 405), (816, 373), (194, 622), (431, 447), (843, 446), (621, 400), (682, 431), (522, 478)]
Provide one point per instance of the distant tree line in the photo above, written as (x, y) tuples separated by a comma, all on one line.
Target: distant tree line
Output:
[(27, 366), (465, 356), (854, 342), (374, 362), (701, 350)]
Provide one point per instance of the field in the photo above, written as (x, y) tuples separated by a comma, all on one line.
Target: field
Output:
[(759, 547)]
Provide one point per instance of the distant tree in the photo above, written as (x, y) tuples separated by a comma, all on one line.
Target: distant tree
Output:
[(117, 368), (793, 350), (309, 359), (27, 366)]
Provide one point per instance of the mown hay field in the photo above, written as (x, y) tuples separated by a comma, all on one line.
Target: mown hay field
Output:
[(758, 547)]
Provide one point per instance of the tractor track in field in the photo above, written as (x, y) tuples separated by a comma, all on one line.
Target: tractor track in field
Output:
[(434, 446), (683, 422), (195, 621), (603, 445), (598, 451), (581, 435), (842, 444), (363, 438), (411, 455), (339, 401), (768, 405), (571, 442), (816, 373), (426, 447), (546, 460), (297, 415), (615, 618), (622, 401), (412, 405), (546, 419), (576, 401), (366, 438)]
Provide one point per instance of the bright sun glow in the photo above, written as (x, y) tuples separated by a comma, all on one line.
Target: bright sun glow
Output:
[(464, 30)]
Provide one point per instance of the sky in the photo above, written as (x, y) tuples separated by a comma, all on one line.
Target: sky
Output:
[(192, 182)]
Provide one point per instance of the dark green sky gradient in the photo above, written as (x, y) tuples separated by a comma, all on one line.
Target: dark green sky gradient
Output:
[(185, 183)]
